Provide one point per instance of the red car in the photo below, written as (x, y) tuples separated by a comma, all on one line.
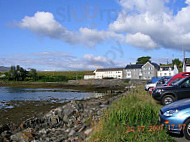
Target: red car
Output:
[(173, 80)]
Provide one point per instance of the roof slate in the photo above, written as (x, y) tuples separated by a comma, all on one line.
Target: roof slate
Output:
[(110, 69), (134, 66)]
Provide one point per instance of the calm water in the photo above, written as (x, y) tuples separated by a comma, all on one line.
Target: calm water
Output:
[(59, 95)]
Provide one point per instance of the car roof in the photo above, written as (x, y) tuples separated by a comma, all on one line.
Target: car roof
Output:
[(182, 74)]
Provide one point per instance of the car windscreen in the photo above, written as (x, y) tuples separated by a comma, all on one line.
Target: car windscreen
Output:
[(168, 81)]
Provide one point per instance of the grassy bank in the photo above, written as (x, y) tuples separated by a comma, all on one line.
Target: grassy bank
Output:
[(135, 109)]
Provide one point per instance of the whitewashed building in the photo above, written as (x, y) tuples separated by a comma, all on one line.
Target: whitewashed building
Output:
[(167, 71), (115, 73), (186, 65), (89, 76)]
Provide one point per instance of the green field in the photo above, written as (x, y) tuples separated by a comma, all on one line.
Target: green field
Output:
[(125, 120), (54, 76), (58, 76)]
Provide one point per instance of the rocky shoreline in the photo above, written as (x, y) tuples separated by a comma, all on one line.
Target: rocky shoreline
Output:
[(70, 122)]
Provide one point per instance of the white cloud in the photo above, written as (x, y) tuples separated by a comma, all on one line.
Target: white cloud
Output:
[(44, 24), (58, 61), (155, 20), (147, 24), (141, 40)]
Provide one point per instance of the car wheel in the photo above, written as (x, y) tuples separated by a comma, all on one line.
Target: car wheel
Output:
[(186, 130), (168, 99)]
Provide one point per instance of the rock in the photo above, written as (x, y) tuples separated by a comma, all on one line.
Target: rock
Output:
[(54, 120), (68, 110), (72, 132), (43, 131), (25, 136), (18, 137), (4, 128), (82, 128), (88, 131)]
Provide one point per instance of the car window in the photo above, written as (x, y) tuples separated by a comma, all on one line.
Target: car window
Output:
[(175, 81), (181, 81), (168, 80), (186, 84)]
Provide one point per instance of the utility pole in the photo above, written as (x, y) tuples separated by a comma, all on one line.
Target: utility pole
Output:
[(184, 65)]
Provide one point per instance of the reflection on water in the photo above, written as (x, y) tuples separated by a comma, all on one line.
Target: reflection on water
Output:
[(55, 95)]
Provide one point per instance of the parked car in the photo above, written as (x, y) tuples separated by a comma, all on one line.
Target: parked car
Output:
[(176, 117), (176, 78), (160, 81), (172, 80), (169, 94)]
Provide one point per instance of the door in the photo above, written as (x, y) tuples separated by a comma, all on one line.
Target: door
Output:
[(184, 90)]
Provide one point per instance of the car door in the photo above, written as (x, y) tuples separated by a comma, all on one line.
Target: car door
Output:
[(184, 90)]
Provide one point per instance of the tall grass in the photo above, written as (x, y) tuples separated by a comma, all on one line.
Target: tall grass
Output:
[(135, 109)]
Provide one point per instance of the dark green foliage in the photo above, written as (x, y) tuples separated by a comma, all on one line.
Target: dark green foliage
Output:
[(177, 62), (49, 78), (143, 60), (17, 73)]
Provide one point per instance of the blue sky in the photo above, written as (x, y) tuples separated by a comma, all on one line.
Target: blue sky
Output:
[(89, 34)]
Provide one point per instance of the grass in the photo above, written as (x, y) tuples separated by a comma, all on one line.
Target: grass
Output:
[(60, 76), (135, 109), (55, 76), (71, 74)]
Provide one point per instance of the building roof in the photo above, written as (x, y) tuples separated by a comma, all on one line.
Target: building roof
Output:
[(166, 68), (155, 65), (90, 74), (134, 66), (187, 61), (109, 69)]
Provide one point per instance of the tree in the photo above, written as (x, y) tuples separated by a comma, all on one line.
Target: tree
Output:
[(143, 60), (17, 73), (33, 74), (177, 62), (12, 73)]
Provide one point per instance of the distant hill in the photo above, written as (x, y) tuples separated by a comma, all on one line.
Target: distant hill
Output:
[(2, 68)]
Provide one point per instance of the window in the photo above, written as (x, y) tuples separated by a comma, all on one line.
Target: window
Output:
[(186, 84), (175, 80)]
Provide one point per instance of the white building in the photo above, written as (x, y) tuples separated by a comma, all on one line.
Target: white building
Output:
[(167, 71), (115, 73), (186, 65), (89, 76)]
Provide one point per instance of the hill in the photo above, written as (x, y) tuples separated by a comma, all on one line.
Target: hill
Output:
[(3, 69)]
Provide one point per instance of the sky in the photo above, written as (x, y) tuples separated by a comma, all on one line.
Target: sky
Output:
[(61, 35)]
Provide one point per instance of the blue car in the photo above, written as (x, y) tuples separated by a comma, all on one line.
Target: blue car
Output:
[(176, 117)]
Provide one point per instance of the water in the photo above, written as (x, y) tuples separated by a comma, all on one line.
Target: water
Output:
[(54, 95)]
